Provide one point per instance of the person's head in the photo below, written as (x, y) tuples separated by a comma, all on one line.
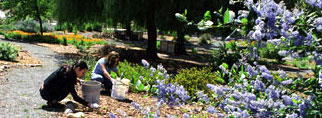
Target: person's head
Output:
[(80, 67), (112, 59)]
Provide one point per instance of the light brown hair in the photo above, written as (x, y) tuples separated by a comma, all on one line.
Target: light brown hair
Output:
[(110, 59)]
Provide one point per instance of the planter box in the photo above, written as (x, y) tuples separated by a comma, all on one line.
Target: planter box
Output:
[(167, 46)]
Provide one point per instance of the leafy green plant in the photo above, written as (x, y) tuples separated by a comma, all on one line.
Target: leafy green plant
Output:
[(194, 79), (64, 41), (271, 52), (8, 52), (222, 56), (195, 50), (204, 39), (140, 77), (158, 44), (187, 37)]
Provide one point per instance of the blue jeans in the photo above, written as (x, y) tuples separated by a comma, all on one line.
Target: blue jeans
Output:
[(106, 82)]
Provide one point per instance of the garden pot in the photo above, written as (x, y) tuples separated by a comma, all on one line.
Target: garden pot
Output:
[(91, 91)]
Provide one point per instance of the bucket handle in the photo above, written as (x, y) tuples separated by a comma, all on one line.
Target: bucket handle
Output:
[(120, 82)]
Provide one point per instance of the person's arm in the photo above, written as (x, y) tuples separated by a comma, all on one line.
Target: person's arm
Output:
[(77, 98), (106, 74)]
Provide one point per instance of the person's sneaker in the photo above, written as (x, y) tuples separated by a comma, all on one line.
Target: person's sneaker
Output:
[(55, 105)]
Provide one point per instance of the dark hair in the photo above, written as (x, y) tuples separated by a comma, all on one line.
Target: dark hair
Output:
[(81, 64), (111, 57)]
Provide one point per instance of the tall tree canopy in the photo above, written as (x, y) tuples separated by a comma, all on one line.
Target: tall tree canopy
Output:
[(151, 14), (22, 9)]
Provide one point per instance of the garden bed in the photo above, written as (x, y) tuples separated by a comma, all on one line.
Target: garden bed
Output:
[(110, 105)]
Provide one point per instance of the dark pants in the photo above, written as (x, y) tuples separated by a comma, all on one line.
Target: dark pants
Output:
[(106, 82), (51, 98)]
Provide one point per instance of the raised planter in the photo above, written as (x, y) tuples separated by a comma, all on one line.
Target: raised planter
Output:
[(167, 46)]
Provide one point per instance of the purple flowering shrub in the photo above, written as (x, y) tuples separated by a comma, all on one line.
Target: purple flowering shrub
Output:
[(257, 92)]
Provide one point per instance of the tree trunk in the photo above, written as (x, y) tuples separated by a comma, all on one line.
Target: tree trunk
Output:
[(179, 45), (151, 51), (38, 17), (129, 30)]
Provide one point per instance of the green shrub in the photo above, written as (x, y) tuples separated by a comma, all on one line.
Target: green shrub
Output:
[(187, 37), (271, 52), (158, 44), (30, 25), (204, 39), (8, 52), (222, 56), (194, 80)]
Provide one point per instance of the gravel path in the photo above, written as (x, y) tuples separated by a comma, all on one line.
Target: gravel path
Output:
[(20, 98)]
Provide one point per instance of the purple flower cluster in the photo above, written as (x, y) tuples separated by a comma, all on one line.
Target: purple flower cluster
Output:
[(317, 58), (251, 71), (260, 101), (145, 63), (172, 94), (315, 3), (111, 115), (318, 24), (202, 97), (283, 53)]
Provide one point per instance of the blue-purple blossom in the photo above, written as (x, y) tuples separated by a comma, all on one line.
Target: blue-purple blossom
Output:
[(315, 3), (161, 68), (112, 115), (259, 85), (287, 100), (282, 73), (293, 115), (267, 76), (251, 71), (211, 110), (153, 69), (283, 53), (136, 106), (202, 97), (318, 24), (145, 63), (287, 82), (317, 58), (141, 77), (159, 103), (166, 76), (172, 94), (170, 116), (263, 69), (257, 35), (185, 115), (157, 114), (216, 89), (220, 115)]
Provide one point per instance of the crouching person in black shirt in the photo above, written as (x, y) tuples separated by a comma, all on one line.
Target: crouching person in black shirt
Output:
[(62, 82)]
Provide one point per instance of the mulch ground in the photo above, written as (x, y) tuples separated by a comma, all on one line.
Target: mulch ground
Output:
[(110, 105)]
